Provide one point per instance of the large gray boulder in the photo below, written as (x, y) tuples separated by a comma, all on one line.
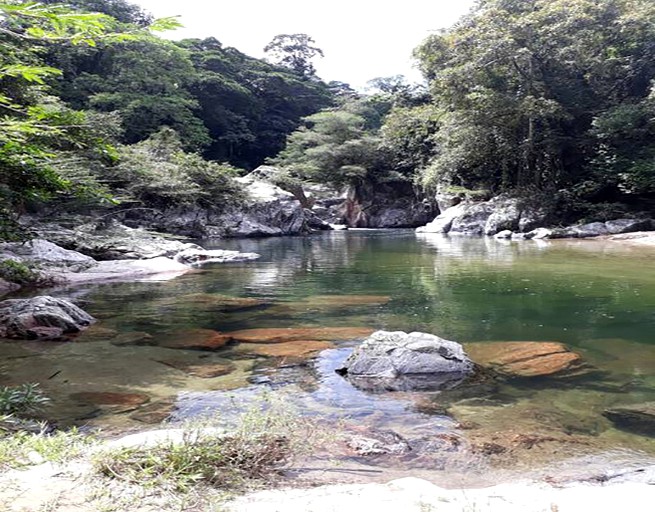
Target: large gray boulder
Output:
[(443, 222), (618, 226), (473, 220), (505, 216), (270, 211), (502, 213), (198, 257), (42, 317), (400, 361)]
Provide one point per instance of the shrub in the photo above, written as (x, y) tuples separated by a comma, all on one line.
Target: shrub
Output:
[(157, 173), (19, 273)]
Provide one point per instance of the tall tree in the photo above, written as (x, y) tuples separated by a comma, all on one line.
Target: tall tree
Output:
[(521, 85), (34, 126), (294, 51)]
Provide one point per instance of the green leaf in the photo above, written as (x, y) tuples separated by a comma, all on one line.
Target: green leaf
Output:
[(30, 73)]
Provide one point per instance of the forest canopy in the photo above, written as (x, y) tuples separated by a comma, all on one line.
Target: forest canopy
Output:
[(550, 97), (545, 94)]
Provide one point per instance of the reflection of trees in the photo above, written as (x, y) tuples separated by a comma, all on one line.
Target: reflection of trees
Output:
[(461, 288), (478, 289)]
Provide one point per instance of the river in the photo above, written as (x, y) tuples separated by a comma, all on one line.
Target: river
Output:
[(596, 297)]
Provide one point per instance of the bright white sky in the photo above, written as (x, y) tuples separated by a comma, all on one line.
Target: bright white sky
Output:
[(361, 39)]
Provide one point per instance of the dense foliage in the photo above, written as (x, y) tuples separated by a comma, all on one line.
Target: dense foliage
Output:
[(353, 144), (554, 96), (157, 173), (81, 82), (546, 94), (34, 125)]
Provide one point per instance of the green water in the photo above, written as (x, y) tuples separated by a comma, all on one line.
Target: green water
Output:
[(598, 298)]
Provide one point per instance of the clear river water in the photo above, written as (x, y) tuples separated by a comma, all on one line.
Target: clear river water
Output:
[(596, 297)]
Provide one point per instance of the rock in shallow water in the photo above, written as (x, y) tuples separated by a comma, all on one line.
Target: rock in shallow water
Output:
[(527, 358), (639, 418), (204, 370), (401, 361), (197, 256), (194, 339), (41, 317), (285, 334), (289, 349)]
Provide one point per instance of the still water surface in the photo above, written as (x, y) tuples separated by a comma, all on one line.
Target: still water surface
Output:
[(597, 297)]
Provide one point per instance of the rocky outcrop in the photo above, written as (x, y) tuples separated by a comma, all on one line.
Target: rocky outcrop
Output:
[(271, 212), (45, 254), (506, 217), (527, 359), (268, 211), (401, 361), (147, 256), (639, 418), (444, 221), (41, 317), (500, 214), (474, 218), (127, 270), (594, 229), (383, 210), (114, 241)]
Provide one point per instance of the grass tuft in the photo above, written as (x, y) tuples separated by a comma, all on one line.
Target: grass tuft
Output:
[(20, 449), (252, 453)]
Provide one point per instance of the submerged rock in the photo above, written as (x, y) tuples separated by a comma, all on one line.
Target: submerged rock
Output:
[(204, 370), (133, 338), (128, 400), (527, 358), (154, 412), (41, 317), (639, 418), (293, 349), (401, 361), (194, 339), (216, 302), (335, 302), (285, 334)]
